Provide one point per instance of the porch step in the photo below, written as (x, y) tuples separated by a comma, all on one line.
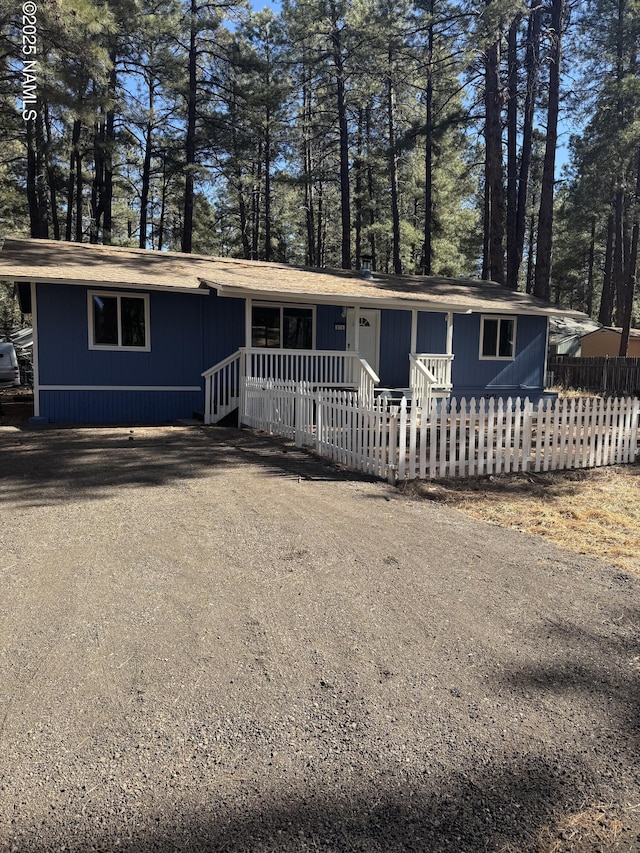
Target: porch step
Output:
[(229, 420)]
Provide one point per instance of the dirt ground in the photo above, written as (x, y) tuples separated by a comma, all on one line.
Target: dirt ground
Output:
[(594, 511), (210, 641)]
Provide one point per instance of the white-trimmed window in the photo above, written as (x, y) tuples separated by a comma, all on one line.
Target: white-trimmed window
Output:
[(498, 338), (119, 321), (282, 326)]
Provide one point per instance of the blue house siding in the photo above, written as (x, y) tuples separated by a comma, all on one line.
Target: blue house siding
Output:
[(395, 341), (474, 376), (190, 332), (63, 349), (176, 327), (126, 407), (432, 332), (223, 327), (327, 336)]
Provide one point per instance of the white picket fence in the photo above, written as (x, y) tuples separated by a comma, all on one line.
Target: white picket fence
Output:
[(487, 436), (432, 439)]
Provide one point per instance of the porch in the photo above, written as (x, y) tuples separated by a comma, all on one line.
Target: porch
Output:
[(226, 383)]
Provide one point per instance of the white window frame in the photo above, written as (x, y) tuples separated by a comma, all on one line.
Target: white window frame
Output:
[(499, 318), (118, 347), (282, 305)]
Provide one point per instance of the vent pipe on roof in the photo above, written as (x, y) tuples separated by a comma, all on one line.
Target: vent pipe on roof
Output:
[(365, 266)]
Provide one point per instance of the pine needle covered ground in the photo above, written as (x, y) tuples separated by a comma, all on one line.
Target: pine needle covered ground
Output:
[(594, 512)]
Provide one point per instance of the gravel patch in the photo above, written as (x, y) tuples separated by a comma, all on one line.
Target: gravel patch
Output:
[(211, 641)]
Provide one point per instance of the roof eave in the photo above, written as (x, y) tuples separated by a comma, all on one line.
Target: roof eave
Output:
[(407, 302), (124, 285)]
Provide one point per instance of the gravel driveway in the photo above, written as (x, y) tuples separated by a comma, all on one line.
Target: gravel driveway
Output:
[(210, 641)]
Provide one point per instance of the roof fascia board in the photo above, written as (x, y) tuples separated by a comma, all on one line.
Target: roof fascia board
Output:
[(407, 304), (202, 291)]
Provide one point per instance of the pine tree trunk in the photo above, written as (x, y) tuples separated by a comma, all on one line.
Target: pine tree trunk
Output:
[(75, 155), (256, 205), (605, 314), (146, 180), (359, 188), (51, 175), (513, 261), (190, 141), (591, 268), (345, 201), (242, 211), (79, 198), (494, 180), (308, 175), (163, 202), (532, 59), (35, 192), (619, 284), (427, 246), (628, 307), (97, 186), (542, 284), (267, 187), (530, 253), (370, 192), (393, 169), (110, 141), (320, 238), (486, 232), (630, 271)]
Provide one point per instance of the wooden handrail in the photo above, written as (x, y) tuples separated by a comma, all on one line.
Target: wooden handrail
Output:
[(221, 364)]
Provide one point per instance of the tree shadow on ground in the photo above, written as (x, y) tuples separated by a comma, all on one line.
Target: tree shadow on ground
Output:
[(602, 669), (500, 808), (49, 466)]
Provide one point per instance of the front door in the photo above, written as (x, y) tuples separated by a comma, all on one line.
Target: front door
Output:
[(369, 345)]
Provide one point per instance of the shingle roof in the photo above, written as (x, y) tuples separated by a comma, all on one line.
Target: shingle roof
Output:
[(616, 330), (81, 263)]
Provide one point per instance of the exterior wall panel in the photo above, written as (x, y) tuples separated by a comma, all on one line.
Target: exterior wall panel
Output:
[(125, 407), (432, 332), (472, 375), (177, 324), (221, 331), (395, 342), (65, 358), (327, 336), (191, 332), (607, 342)]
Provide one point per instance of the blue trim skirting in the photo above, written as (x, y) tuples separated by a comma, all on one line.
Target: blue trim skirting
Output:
[(127, 407)]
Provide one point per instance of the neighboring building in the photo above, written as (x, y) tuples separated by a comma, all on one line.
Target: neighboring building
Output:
[(125, 335), (606, 341), (566, 333)]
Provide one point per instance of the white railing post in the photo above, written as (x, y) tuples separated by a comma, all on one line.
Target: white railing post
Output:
[(221, 388), (430, 372), (318, 404), (298, 414), (207, 399), (392, 466), (635, 424), (242, 385)]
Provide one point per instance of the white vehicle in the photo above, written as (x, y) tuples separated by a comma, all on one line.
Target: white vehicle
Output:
[(9, 370)]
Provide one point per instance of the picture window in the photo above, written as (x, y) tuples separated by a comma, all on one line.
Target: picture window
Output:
[(498, 338), (282, 326), (119, 321)]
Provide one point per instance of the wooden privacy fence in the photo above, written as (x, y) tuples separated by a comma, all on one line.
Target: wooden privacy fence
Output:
[(606, 374), (465, 438)]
